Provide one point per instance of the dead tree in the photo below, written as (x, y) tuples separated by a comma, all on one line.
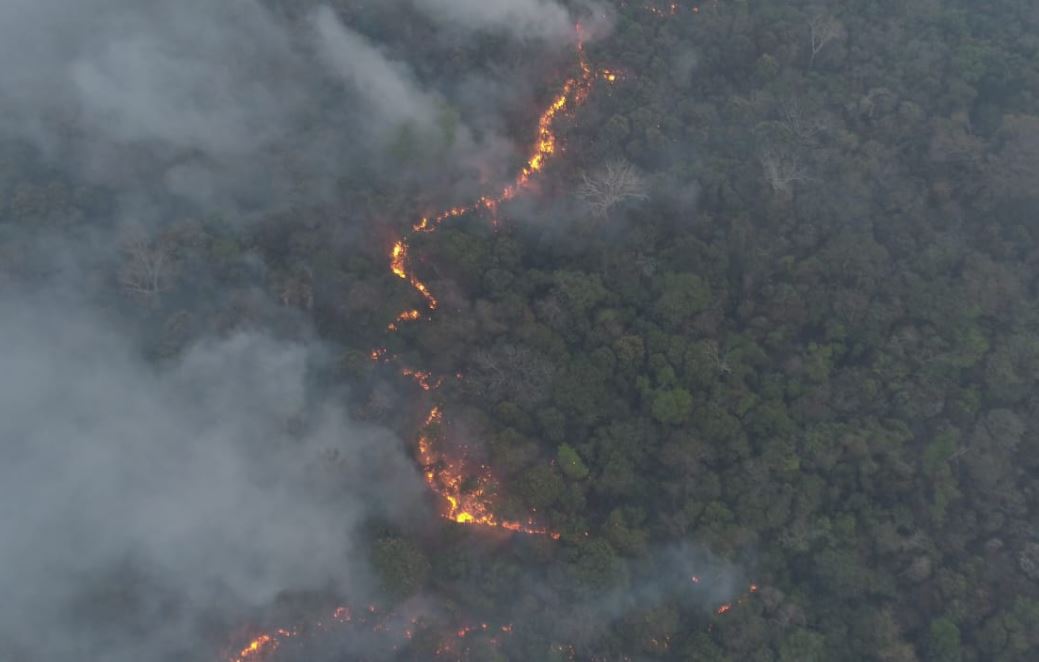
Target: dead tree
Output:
[(611, 185), (782, 169), (823, 28), (145, 273), (799, 124)]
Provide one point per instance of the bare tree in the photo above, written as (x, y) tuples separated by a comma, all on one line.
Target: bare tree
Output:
[(823, 28), (146, 271), (297, 289), (611, 185), (782, 169), (508, 372), (801, 125)]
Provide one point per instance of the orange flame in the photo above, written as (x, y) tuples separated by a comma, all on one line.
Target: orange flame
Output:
[(422, 378), (261, 645), (446, 476), (406, 316), (443, 475), (398, 264), (574, 93)]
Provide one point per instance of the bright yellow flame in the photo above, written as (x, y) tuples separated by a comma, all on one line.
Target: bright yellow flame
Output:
[(398, 264)]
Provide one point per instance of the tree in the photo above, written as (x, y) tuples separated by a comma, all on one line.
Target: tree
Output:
[(570, 462), (402, 567), (782, 168), (683, 296), (823, 28), (611, 185), (146, 271), (541, 486), (672, 406), (943, 644)]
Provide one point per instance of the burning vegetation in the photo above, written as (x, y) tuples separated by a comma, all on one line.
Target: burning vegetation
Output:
[(465, 487)]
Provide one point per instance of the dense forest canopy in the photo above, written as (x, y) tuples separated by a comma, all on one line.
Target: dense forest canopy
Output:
[(749, 359)]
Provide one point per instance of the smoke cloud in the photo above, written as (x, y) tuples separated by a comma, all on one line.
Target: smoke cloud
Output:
[(543, 19), (208, 483), (229, 105)]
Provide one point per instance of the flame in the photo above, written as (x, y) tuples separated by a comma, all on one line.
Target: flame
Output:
[(406, 316), (446, 476), (260, 646), (575, 91), (264, 645), (398, 264), (422, 378), (728, 606)]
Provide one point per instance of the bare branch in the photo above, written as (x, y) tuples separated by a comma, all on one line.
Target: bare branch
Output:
[(146, 270), (611, 185), (782, 169), (801, 125), (823, 28)]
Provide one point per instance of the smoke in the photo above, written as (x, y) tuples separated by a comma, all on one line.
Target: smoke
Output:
[(543, 19), (144, 506), (228, 105), (387, 87), (206, 485)]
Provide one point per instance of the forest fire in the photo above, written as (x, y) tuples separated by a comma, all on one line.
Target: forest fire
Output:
[(261, 645), (422, 378), (398, 263), (406, 316), (264, 645), (575, 91), (446, 477), (466, 490)]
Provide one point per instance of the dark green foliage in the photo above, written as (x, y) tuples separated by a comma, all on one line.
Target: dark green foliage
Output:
[(570, 462), (402, 566)]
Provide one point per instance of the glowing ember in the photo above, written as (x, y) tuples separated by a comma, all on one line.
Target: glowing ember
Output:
[(724, 609), (422, 378), (406, 316)]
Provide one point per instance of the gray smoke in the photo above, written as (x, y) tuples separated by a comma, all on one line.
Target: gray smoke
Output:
[(542, 19), (144, 505), (219, 479), (225, 104)]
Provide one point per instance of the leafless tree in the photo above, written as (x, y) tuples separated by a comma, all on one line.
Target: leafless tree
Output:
[(823, 28), (511, 372), (782, 168), (298, 289), (720, 362), (611, 185), (800, 124), (147, 267)]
